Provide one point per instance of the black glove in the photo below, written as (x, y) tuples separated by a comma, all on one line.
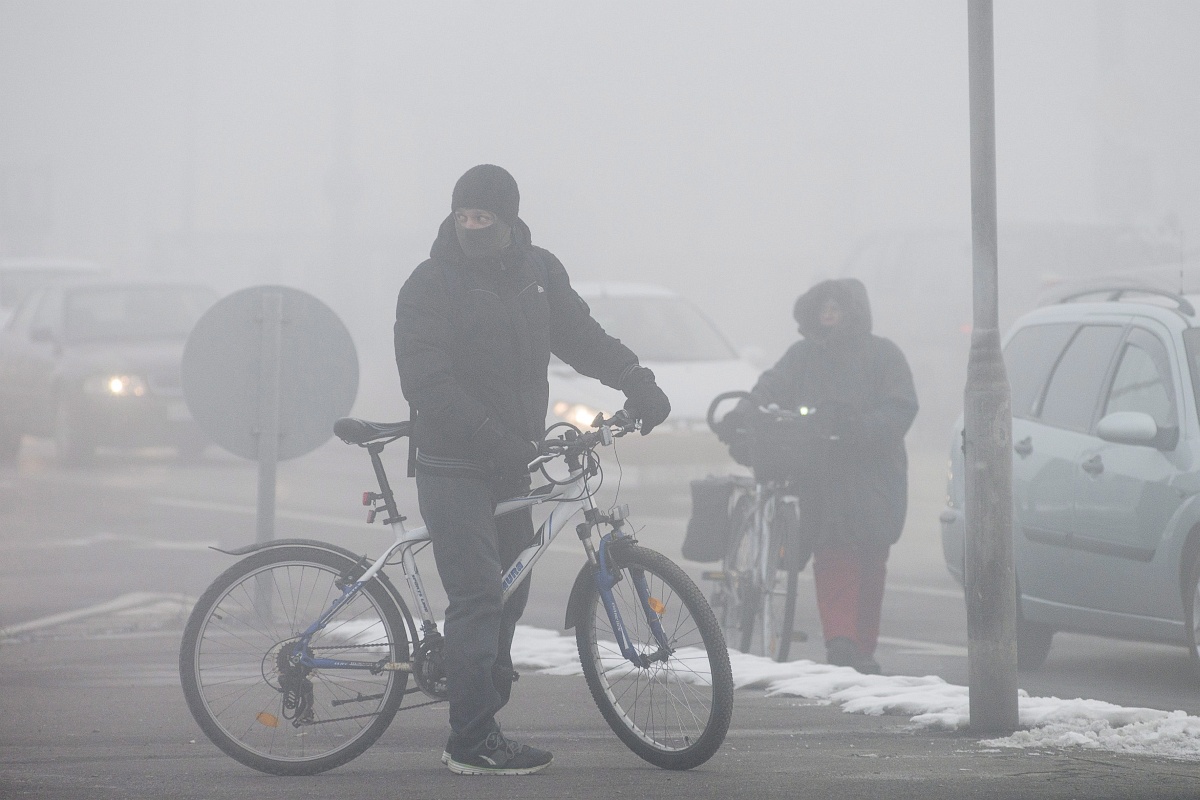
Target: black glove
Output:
[(834, 421), (741, 450), (646, 401), (731, 427)]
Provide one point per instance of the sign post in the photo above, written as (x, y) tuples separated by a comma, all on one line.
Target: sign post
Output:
[(266, 373), (268, 412)]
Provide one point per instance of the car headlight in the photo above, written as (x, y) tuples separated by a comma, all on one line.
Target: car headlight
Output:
[(115, 385), (578, 414)]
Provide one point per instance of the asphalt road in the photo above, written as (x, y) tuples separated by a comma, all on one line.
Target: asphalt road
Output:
[(98, 566)]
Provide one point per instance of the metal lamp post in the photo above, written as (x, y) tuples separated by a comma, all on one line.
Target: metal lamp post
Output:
[(990, 576)]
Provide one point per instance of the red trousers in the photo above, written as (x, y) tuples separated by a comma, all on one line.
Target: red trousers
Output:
[(849, 586)]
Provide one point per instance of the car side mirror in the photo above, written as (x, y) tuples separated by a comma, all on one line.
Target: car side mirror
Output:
[(1136, 428)]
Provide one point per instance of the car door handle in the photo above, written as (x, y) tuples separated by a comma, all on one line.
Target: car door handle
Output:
[(1024, 447), (1094, 465)]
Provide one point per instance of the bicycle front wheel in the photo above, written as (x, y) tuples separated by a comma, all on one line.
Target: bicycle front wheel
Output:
[(761, 583), (782, 578), (242, 662), (672, 709)]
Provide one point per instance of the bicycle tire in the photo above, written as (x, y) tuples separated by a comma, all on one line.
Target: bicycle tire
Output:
[(742, 594), (674, 713), (781, 647), (230, 662), (782, 596), (760, 618)]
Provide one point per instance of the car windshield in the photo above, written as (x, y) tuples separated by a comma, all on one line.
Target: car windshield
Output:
[(661, 328), (141, 312)]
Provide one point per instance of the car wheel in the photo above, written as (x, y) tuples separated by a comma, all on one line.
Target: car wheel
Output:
[(1033, 643), (1191, 612), (71, 440)]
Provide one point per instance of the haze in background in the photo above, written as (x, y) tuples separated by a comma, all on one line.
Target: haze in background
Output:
[(735, 152)]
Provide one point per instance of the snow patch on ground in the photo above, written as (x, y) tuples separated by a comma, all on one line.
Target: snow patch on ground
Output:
[(928, 701)]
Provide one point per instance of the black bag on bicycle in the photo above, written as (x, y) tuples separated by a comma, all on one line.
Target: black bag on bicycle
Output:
[(782, 450), (709, 527)]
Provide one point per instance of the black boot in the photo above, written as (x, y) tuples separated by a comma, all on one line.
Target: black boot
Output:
[(841, 651)]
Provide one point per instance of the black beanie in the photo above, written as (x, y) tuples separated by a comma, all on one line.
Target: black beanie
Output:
[(488, 188)]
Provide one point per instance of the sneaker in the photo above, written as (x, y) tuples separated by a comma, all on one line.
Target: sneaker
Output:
[(451, 743), (497, 755), (841, 651)]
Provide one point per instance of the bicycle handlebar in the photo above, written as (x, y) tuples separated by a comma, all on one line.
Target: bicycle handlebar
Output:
[(772, 410), (721, 398), (608, 429)]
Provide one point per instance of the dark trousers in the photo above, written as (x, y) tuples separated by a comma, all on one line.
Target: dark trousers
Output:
[(471, 547), (849, 583)]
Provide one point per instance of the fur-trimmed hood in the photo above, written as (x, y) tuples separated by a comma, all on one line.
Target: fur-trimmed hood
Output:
[(850, 294)]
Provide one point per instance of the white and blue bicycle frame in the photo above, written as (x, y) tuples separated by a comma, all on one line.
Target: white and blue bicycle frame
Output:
[(569, 497)]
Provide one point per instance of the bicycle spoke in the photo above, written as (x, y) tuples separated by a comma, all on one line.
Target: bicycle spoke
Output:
[(671, 710), (266, 705)]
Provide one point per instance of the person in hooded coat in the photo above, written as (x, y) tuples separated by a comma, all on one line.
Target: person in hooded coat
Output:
[(476, 324), (852, 474)]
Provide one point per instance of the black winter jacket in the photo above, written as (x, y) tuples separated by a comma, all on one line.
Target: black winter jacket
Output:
[(473, 343), (861, 389)]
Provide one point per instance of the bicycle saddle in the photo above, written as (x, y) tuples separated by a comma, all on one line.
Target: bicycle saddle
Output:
[(359, 431)]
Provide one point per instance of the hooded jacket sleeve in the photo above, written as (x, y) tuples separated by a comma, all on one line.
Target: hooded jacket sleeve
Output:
[(892, 406), (778, 384), (424, 359), (577, 338)]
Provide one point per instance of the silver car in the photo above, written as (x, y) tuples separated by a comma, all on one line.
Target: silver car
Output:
[(96, 364), (1106, 470), (692, 361)]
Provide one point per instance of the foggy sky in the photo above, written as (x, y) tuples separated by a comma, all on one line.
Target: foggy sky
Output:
[(732, 151)]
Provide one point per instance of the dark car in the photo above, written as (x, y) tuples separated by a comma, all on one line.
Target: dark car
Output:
[(99, 364)]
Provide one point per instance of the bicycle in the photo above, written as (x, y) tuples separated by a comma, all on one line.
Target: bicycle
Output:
[(298, 657), (755, 589)]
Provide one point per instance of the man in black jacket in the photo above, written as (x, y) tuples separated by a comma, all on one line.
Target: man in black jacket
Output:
[(475, 327)]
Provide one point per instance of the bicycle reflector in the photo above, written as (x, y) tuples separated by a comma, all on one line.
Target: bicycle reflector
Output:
[(657, 605), (270, 720)]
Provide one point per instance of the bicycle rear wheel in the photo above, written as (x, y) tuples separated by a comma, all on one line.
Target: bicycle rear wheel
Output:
[(675, 711), (238, 660)]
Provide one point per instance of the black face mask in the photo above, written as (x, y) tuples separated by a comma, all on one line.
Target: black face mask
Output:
[(479, 243)]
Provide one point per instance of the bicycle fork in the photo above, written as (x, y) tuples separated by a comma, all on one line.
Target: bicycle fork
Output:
[(607, 576)]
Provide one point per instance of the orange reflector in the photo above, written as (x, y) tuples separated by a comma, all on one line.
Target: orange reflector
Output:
[(657, 605), (270, 720)]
